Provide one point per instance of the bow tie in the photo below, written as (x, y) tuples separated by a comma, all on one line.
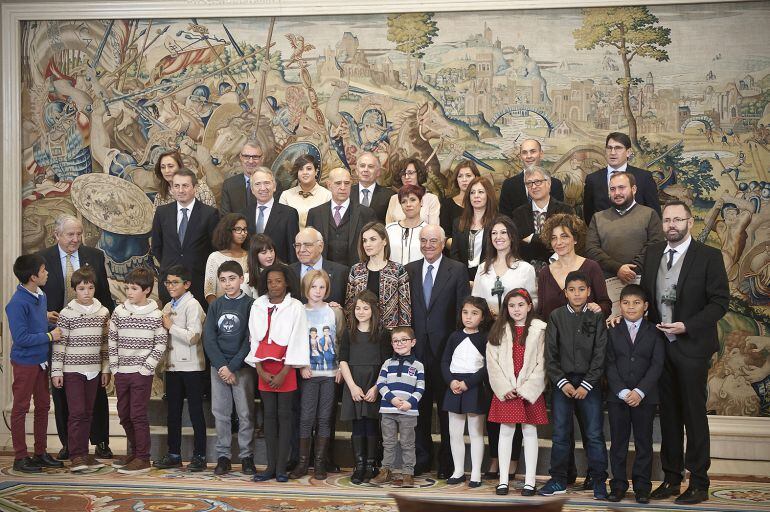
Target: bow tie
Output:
[(304, 194)]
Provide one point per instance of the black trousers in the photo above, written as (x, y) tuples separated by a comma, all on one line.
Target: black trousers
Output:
[(435, 388), (622, 419), (683, 406), (178, 386), (100, 423), (278, 428)]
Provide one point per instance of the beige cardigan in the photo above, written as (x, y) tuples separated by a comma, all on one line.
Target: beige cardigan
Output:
[(531, 381)]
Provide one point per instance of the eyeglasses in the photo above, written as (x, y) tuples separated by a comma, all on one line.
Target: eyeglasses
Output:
[(401, 341), (431, 241), (173, 283), (676, 220), (615, 149), (534, 183), (240, 230), (408, 172), (305, 245), (252, 157)]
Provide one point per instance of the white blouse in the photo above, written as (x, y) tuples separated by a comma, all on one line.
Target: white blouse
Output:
[(404, 242), (466, 358), (520, 275), (429, 212), (318, 196)]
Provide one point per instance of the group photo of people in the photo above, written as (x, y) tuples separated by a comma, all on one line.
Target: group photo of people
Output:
[(417, 320)]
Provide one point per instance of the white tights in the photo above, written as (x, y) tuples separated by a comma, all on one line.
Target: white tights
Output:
[(457, 443), (529, 435)]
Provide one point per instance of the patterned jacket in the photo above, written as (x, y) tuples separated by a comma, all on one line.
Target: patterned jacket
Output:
[(394, 298)]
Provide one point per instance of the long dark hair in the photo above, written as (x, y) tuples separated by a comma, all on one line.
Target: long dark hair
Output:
[(454, 188), (374, 324), (478, 303), (222, 237), (163, 183), (491, 252), (504, 318), (490, 212), (258, 244)]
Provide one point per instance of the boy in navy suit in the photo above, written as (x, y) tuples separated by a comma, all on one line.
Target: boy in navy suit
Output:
[(635, 355)]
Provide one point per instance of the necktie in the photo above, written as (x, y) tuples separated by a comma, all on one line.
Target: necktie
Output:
[(337, 216), (671, 253), (365, 202), (632, 332), (261, 219), (69, 291), (427, 285), (248, 184), (183, 226), (539, 221)]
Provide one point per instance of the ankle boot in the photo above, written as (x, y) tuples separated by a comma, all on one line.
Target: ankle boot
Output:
[(319, 465), (371, 457), (358, 452), (300, 469)]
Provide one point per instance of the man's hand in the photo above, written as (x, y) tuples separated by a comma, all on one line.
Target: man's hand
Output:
[(626, 273), (580, 393), (633, 399), (613, 321), (568, 389), (594, 307), (672, 328), (53, 317)]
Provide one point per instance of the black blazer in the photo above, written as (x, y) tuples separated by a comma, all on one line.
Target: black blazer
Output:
[(235, 197), (378, 202), (433, 324), (596, 195), (514, 194), (525, 225), (197, 244), (338, 275), (320, 218), (54, 288), (282, 227), (460, 248), (635, 365), (702, 296)]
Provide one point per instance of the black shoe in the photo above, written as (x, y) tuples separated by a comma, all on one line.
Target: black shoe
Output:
[(46, 461), (664, 491), (616, 495), (264, 476), (331, 466), (420, 469), (64, 453), (642, 497), (282, 477), (474, 485), (501, 490), (529, 490), (443, 474), (692, 496), (223, 466), (291, 465), (197, 464), (26, 465), (455, 480), (247, 466), (102, 451), (588, 483), (168, 461)]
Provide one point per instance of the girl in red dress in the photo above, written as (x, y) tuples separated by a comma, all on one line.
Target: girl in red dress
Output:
[(516, 368)]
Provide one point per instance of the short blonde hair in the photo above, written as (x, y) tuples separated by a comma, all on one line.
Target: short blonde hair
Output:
[(311, 276)]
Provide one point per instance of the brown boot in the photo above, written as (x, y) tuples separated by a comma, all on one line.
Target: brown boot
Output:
[(300, 469), (382, 478), (408, 481), (319, 464)]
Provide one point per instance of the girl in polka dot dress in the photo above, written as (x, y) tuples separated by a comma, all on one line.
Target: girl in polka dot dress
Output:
[(516, 368)]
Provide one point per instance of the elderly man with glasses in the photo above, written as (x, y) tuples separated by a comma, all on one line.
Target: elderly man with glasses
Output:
[(309, 246)]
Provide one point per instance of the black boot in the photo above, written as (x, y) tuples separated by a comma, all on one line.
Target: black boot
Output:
[(300, 469), (371, 457), (358, 452), (319, 465)]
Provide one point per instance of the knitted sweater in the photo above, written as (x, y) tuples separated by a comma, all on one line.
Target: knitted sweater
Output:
[(402, 377), (137, 339), (185, 349), (83, 344), (28, 322)]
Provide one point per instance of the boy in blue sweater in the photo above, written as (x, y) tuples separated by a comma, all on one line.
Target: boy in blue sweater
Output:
[(401, 384), (32, 335)]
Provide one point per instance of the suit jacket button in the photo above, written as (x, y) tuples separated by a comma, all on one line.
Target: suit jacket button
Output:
[(633, 359)]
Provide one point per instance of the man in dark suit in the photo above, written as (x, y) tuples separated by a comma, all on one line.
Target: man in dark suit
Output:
[(266, 215), (181, 234), (438, 286), (635, 355), (513, 193), (688, 289), (530, 217), (309, 246), (367, 192), (237, 188), (61, 260), (340, 220), (596, 196)]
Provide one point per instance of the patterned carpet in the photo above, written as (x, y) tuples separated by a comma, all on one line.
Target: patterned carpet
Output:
[(180, 491)]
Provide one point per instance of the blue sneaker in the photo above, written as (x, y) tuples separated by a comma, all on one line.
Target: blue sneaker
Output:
[(600, 491), (551, 488)]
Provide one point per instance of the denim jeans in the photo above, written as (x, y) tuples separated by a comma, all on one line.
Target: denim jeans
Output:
[(590, 409)]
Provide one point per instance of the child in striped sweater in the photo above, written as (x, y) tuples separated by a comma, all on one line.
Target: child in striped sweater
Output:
[(79, 362), (401, 385), (137, 342)]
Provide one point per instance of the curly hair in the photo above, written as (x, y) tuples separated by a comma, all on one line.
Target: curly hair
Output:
[(567, 221), (422, 171)]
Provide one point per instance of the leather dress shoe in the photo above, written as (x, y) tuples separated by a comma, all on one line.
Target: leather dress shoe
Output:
[(64, 453), (665, 490), (642, 497), (282, 477), (46, 461), (442, 474), (26, 465), (263, 477), (588, 483), (692, 496), (420, 469), (616, 495), (102, 451)]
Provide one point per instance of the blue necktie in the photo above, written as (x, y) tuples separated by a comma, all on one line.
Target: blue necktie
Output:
[(183, 226), (261, 220), (427, 285)]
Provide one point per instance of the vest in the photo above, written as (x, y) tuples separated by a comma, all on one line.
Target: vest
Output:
[(339, 237), (666, 285)]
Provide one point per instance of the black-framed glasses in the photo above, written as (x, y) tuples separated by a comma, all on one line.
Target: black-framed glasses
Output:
[(240, 230), (676, 220), (535, 183), (305, 245), (252, 157), (401, 341)]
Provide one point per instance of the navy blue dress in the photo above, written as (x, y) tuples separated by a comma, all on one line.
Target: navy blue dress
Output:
[(476, 399)]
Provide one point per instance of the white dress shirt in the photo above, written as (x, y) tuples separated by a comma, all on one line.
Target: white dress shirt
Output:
[(623, 393), (435, 268), (361, 189), (611, 171), (179, 213), (679, 250), (268, 208), (344, 208), (63, 260)]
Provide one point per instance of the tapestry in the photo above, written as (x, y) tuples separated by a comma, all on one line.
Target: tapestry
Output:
[(690, 84)]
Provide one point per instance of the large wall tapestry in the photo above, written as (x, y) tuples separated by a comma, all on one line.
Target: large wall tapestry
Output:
[(690, 84)]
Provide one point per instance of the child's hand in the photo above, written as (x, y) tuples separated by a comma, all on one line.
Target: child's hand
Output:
[(372, 394), (306, 372), (463, 386), (167, 323), (594, 307), (455, 387), (357, 394), (338, 377), (57, 381), (396, 402), (105, 379), (405, 406), (277, 380), (53, 317), (633, 399), (225, 374), (568, 389), (580, 393), (511, 395), (56, 334)]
